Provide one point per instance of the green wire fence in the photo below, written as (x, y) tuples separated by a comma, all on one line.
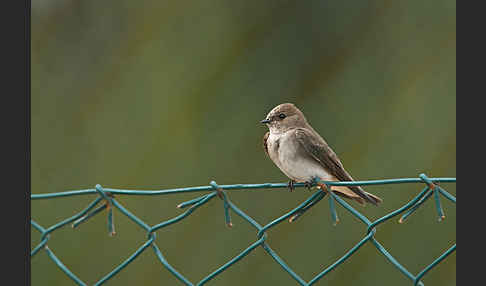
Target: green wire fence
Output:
[(108, 197)]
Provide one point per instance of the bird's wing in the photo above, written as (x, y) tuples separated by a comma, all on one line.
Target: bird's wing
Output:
[(318, 149), (265, 147)]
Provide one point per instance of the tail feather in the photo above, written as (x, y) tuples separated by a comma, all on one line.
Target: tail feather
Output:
[(357, 193), (374, 197)]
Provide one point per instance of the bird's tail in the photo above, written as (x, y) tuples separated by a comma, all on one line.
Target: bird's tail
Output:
[(356, 193)]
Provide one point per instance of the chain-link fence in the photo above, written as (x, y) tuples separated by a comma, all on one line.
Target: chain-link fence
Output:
[(107, 199)]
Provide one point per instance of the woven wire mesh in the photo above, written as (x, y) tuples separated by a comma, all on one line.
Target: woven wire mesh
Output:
[(108, 201)]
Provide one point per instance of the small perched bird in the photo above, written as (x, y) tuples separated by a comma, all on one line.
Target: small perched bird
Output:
[(302, 154)]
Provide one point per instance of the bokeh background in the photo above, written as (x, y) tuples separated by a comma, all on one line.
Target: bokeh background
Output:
[(163, 94)]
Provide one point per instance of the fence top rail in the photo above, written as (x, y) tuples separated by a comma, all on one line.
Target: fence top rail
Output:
[(233, 187)]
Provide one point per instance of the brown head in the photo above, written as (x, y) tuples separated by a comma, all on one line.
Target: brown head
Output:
[(284, 117)]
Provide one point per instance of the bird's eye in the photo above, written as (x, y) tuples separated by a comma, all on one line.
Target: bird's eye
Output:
[(282, 116)]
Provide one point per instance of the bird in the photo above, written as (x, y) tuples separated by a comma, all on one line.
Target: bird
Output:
[(303, 155)]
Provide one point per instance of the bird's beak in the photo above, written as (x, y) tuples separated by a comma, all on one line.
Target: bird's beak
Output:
[(264, 121)]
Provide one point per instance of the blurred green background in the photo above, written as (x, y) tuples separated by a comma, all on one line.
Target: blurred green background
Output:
[(163, 94)]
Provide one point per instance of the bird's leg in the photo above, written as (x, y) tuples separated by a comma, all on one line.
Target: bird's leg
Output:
[(309, 184), (291, 185)]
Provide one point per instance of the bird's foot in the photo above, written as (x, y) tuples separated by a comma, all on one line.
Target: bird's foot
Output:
[(291, 185), (309, 184)]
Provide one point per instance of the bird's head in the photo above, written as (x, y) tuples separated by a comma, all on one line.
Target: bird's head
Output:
[(284, 117)]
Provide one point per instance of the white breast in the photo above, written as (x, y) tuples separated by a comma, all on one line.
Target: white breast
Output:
[(298, 168)]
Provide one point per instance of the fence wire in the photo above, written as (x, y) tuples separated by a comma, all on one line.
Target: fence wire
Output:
[(108, 201)]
